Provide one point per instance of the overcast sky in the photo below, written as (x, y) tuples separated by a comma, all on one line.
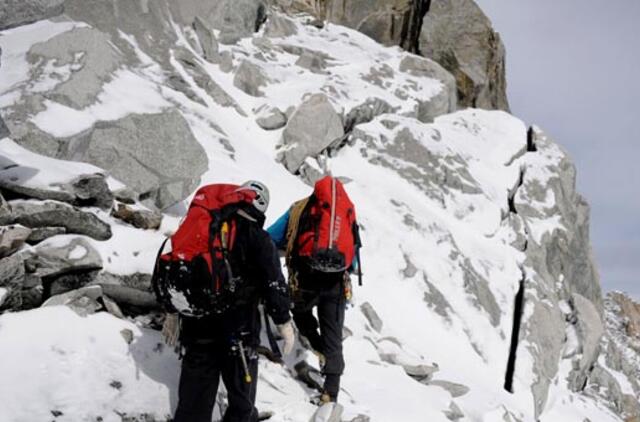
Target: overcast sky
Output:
[(573, 68)]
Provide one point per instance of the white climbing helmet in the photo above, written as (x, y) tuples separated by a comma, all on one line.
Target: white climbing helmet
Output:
[(261, 201)]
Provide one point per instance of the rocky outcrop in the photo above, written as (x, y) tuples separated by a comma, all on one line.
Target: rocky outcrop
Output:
[(236, 19), (442, 103), (395, 22), (154, 154), (313, 127), (35, 214), (21, 12), (459, 36), (92, 190)]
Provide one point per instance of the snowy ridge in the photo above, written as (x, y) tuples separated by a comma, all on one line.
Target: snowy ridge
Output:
[(444, 251)]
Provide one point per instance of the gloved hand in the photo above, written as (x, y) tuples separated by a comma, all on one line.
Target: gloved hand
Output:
[(286, 331), (171, 329)]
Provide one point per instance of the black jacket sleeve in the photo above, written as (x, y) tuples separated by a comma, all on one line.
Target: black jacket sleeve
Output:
[(272, 284)]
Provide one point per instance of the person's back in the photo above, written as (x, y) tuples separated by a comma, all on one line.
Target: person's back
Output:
[(233, 266), (320, 238)]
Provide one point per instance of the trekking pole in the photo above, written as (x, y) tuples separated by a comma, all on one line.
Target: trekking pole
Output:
[(243, 358)]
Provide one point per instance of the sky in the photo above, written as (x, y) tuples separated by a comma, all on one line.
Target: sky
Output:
[(573, 68)]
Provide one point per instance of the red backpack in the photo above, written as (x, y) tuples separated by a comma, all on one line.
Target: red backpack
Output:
[(327, 232), (196, 277)]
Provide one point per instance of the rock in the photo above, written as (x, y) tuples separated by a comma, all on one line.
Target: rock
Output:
[(92, 190), (140, 218), (313, 61), (207, 40), (279, 26), (4, 130), (12, 238), (236, 19), (39, 234), (374, 320), (590, 329), (83, 301), (35, 214), (459, 36), (112, 307), (12, 277), (21, 12), (309, 375), (455, 389), (249, 78), (156, 155), (127, 335), (445, 101), (390, 22), (69, 281), (50, 260), (13, 183), (454, 413), (138, 281), (126, 196), (366, 112), (629, 311), (420, 372), (271, 119), (5, 210), (90, 52), (314, 126)]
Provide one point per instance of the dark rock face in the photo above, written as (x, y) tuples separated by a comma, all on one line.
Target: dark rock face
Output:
[(459, 36), (21, 12)]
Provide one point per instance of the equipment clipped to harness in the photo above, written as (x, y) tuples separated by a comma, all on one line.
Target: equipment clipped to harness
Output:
[(196, 277)]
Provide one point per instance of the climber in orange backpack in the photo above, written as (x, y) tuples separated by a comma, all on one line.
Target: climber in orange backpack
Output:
[(320, 237)]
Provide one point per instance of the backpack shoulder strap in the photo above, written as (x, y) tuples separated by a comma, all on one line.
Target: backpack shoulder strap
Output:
[(295, 214)]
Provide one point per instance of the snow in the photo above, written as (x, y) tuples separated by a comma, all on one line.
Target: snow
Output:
[(78, 252), (115, 102), (444, 232), (3, 294), (26, 168), (15, 44)]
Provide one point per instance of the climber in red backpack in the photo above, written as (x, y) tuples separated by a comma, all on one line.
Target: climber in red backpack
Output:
[(320, 237), (221, 265)]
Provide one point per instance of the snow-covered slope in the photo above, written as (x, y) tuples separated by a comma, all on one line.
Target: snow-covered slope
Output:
[(457, 216)]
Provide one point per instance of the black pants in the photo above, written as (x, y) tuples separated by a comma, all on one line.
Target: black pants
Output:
[(326, 292), (202, 367)]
